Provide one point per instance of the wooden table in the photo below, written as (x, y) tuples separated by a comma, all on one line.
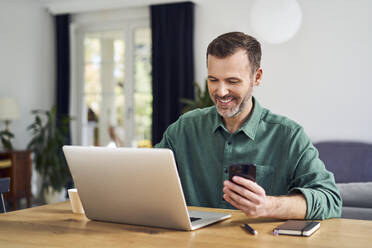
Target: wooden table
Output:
[(56, 226), (20, 175)]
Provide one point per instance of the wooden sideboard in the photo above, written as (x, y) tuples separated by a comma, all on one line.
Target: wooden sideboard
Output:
[(20, 175)]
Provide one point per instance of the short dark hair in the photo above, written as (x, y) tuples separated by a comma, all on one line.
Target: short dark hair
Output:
[(226, 45)]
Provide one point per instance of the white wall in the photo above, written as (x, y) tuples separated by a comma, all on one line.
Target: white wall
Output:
[(26, 61), (322, 78)]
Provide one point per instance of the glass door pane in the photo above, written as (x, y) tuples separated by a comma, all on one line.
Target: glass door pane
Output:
[(117, 88), (103, 88), (92, 87), (143, 86)]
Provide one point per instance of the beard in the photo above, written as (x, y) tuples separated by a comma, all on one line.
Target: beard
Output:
[(237, 108), (234, 110)]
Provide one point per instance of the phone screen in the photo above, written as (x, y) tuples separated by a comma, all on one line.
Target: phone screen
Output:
[(243, 170)]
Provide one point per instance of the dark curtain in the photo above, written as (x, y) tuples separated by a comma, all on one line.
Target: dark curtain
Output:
[(62, 23), (172, 63), (63, 68)]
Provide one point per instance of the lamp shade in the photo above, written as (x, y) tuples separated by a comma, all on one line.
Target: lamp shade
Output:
[(8, 109), (275, 21)]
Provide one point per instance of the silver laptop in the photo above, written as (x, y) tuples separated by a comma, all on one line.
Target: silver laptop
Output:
[(137, 186)]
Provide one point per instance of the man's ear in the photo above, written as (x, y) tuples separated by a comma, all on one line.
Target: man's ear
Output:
[(258, 76)]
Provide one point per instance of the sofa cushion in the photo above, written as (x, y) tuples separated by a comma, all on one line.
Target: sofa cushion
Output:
[(356, 194), (356, 213), (349, 161)]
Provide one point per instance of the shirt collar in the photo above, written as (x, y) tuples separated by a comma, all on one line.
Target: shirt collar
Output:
[(217, 120), (249, 127)]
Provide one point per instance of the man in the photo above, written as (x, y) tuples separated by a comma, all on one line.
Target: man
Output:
[(291, 183)]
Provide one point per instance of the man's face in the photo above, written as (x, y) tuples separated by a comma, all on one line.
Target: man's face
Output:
[(230, 83)]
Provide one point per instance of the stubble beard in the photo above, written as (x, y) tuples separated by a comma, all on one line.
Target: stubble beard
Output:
[(237, 109)]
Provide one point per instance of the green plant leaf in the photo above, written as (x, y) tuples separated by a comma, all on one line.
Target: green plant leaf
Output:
[(46, 144), (202, 99), (6, 143)]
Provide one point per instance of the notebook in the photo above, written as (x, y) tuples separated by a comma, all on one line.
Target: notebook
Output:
[(297, 227), (138, 186)]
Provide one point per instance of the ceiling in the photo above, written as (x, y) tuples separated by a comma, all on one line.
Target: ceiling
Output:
[(79, 6)]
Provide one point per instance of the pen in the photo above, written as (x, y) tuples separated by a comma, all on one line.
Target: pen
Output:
[(249, 229)]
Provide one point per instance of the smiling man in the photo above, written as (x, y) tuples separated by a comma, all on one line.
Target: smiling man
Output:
[(291, 180)]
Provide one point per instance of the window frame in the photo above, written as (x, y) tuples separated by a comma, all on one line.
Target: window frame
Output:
[(77, 104)]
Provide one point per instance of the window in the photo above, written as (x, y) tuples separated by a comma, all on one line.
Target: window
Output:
[(143, 84), (114, 90)]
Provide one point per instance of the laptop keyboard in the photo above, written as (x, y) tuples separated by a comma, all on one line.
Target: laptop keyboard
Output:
[(192, 219)]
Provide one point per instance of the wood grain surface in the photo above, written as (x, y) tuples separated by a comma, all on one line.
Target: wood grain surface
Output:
[(56, 226)]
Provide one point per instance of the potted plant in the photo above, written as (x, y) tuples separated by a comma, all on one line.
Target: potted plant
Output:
[(202, 99), (46, 143), (5, 137)]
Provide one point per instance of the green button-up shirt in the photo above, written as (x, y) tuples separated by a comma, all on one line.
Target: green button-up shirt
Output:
[(286, 160)]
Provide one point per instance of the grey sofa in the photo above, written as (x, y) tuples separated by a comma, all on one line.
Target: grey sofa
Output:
[(351, 163)]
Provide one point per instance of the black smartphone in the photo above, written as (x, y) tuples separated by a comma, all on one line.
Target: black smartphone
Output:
[(243, 170)]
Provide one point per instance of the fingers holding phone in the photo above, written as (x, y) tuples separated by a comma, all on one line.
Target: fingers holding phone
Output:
[(247, 171), (242, 192)]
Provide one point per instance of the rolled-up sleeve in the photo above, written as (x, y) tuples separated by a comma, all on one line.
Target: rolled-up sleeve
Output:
[(309, 176)]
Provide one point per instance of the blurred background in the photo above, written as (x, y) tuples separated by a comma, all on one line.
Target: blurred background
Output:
[(112, 68)]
